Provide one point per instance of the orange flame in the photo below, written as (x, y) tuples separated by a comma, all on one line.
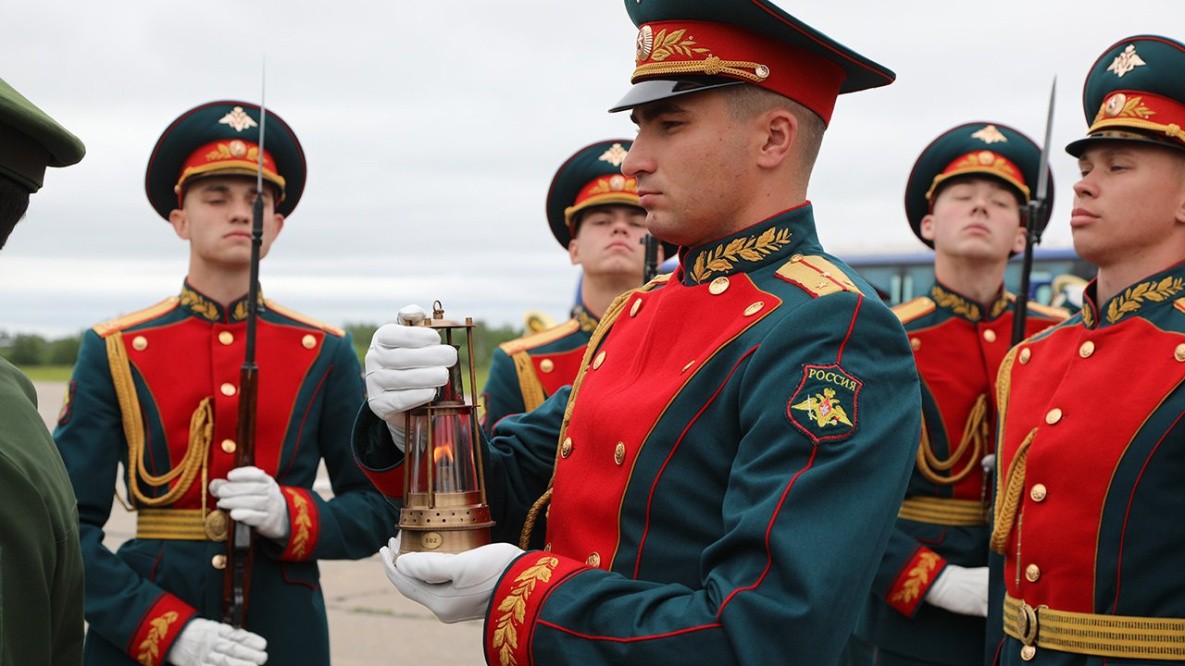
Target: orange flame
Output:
[(443, 452)]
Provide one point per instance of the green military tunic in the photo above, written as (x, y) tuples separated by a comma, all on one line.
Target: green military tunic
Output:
[(41, 572), (739, 443), (958, 345), (183, 358), (525, 371), (1092, 454)]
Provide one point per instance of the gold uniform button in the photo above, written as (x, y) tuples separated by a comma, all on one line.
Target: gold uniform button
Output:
[(754, 308), (1025, 355), (915, 344), (619, 453), (594, 560), (1032, 573), (1053, 416), (989, 335), (546, 365), (796, 258), (139, 343), (229, 446), (228, 389), (635, 307), (1179, 353), (599, 360), (1039, 492), (308, 341), (226, 337), (718, 286), (566, 447), (1086, 349), (218, 561)]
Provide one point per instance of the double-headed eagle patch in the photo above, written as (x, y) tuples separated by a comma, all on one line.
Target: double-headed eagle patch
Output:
[(824, 405)]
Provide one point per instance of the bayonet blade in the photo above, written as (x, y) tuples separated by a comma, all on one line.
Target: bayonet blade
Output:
[(1043, 169)]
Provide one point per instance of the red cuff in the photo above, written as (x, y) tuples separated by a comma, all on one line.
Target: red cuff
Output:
[(388, 481), (909, 589), (517, 601), (159, 627), (304, 524)]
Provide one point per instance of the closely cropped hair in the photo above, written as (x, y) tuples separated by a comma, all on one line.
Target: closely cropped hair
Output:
[(747, 100), (14, 201)]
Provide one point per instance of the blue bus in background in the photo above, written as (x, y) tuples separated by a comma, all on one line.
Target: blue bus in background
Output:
[(905, 275)]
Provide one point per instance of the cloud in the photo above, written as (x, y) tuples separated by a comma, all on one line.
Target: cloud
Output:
[(432, 131)]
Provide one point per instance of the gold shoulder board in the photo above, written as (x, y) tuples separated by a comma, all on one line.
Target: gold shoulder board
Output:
[(120, 323), (303, 318), (910, 310), (816, 275), (541, 338), (1060, 314)]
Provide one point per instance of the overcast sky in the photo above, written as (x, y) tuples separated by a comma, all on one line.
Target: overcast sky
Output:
[(432, 130)]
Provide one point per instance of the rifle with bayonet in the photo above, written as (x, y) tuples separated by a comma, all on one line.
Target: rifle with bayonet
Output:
[(241, 538), (1036, 211), (650, 267)]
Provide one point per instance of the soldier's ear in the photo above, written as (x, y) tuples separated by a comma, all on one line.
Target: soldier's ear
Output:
[(780, 129), (1179, 211), (180, 223), (1018, 244), (926, 228), (574, 251)]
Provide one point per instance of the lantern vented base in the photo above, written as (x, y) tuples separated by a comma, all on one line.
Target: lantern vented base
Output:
[(453, 528)]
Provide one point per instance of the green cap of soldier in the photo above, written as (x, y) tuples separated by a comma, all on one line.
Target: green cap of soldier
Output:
[(30, 140)]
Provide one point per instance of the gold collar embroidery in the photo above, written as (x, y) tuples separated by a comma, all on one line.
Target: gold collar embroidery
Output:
[(1134, 298), (210, 310), (724, 257)]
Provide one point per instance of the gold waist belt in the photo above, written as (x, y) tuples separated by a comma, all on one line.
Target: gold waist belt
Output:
[(181, 524), (1161, 638), (943, 511)]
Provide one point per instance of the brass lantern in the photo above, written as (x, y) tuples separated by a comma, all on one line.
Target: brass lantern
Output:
[(444, 498)]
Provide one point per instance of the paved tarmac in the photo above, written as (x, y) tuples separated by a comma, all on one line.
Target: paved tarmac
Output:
[(369, 621)]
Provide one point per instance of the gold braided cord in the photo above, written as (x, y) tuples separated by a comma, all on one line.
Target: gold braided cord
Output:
[(528, 382), (975, 435), (201, 432), (1172, 130), (599, 334), (711, 66), (1008, 501)]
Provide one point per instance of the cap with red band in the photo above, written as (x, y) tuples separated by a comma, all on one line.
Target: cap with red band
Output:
[(222, 139), (992, 150), (234, 157), (1135, 92), (690, 46)]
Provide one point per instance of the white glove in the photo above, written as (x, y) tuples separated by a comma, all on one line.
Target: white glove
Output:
[(208, 643), (988, 463), (961, 590), (404, 367), (456, 587), (253, 497)]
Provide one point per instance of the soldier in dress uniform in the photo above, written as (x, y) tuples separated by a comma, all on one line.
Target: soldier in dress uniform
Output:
[(740, 434), (41, 572), (1091, 447), (593, 212), (158, 391), (964, 200)]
